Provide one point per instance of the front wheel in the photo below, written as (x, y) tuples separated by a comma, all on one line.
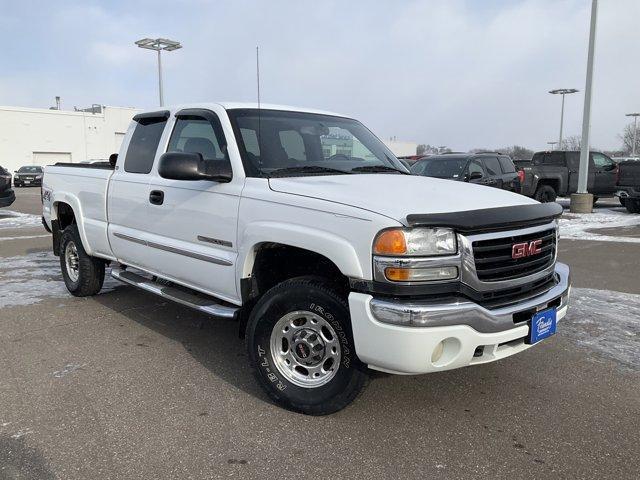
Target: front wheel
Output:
[(83, 274), (623, 201), (301, 347)]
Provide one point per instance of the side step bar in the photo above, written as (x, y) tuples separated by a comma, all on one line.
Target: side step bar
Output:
[(176, 294)]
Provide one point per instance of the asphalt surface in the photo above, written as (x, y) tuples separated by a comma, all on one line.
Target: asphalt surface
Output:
[(125, 385)]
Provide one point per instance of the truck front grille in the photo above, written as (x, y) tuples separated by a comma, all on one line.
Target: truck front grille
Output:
[(494, 262)]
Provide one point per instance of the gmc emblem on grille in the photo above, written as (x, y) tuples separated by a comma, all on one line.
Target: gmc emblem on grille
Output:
[(526, 249)]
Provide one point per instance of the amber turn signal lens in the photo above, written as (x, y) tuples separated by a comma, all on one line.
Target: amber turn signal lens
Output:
[(390, 242), (398, 274)]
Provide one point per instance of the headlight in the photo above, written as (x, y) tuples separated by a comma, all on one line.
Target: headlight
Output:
[(416, 241), (38, 177)]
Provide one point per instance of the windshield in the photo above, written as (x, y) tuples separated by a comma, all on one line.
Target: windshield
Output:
[(30, 170), (280, 143), (440, 167)]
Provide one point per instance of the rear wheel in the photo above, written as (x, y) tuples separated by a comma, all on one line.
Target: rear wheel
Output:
[(301, 347), (633, 205), (623, 201), (595, 199), (545, 194), (83, 274)]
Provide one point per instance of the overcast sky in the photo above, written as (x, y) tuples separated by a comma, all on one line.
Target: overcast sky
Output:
[(464, 74)]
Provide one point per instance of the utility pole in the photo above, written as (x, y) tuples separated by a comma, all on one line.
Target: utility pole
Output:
[(582, 202)]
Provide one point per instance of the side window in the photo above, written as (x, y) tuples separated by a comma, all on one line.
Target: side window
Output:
[(197, 135), (507, 165), (492, 165), (293, 144), (250, 140), (475, 167), (143, 145), (599, 160), (553, 158)]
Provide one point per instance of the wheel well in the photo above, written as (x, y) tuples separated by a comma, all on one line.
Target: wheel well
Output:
[(555, 184), (275, 263), (65, 215)]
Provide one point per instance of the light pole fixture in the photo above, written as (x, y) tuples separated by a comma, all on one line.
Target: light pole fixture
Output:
[(553, 145), (563, 92), (159, 44), (635, 131)]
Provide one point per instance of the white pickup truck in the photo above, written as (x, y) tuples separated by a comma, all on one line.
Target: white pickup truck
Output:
[(305, 228)]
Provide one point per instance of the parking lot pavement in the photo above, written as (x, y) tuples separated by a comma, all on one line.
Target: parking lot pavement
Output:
[(125, 385)]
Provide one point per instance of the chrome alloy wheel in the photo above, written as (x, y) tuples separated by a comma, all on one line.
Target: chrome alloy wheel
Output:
[(305, 349), (72, 261)]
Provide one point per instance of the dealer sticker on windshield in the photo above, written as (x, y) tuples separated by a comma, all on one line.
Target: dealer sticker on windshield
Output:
[(543, 325)]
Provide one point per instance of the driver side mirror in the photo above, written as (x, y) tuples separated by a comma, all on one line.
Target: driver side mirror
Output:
[(473, 176), (191, 166)]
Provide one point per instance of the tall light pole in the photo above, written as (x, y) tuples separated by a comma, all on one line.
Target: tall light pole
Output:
[(159, 44), (582, 202), (563, 92), (553, 144), (635, 131)]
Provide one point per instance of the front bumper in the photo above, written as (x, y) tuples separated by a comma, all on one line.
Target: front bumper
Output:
[(7, 198), (468, 333), (18, 182)]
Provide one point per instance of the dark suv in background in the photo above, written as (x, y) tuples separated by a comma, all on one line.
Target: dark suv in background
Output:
[(491, 169), (7, 196), (554, 174)]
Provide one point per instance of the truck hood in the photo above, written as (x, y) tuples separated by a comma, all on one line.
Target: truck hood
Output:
[(397, 196)]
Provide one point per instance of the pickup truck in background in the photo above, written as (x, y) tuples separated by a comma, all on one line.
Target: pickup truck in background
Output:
[(554, 174), (628, 185), (330, 255)]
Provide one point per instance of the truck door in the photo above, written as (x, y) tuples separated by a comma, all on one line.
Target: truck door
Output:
[(573, 167), (605, 174), (494, 173), (192, 225), (128, 194)]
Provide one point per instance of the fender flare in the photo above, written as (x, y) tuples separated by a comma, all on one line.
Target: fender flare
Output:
[(331, 246), (74, 203)]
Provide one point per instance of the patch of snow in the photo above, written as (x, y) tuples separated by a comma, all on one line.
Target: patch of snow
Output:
[(69, 368), (11, 219), (28, 279), (607, 322), (21, 433), (4, 239), (580, 226)]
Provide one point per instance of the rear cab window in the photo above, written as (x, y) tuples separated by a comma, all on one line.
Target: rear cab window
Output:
[(144, 144), (507, 165), (492, 166)]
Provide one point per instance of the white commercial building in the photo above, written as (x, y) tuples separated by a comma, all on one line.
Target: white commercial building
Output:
[(34, 136), (401, 149)]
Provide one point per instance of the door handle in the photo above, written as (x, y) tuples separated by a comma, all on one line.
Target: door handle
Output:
[(156, 197)]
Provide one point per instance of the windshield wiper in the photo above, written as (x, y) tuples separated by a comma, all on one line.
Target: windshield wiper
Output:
[(306, 169), (377, 168)]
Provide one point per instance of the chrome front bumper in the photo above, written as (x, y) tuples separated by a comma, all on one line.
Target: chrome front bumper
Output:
[(464, 312), (401, 337)]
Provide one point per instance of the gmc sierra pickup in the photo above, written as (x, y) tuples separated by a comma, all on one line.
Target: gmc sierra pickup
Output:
[(305, 228)]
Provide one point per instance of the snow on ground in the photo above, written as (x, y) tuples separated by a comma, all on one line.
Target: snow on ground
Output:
[(607, 322), (30, 278), (11, 219), (584, 226)]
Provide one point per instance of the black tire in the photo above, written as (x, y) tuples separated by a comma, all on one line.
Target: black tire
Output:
[(90, 270), (308, 294), (623, 201), (632, 205), (595, 199), (545, 194)]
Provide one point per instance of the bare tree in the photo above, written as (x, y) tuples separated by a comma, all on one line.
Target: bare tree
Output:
[(421, 149), (627, 140), (572, 142)]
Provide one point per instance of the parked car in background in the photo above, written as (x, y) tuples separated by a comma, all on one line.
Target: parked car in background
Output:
[(7, 196), (554, 174), (28, 176), (491, 169), (628, 185), (625, 159)]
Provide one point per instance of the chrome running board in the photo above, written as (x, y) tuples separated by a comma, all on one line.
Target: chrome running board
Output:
[(197, 301)]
